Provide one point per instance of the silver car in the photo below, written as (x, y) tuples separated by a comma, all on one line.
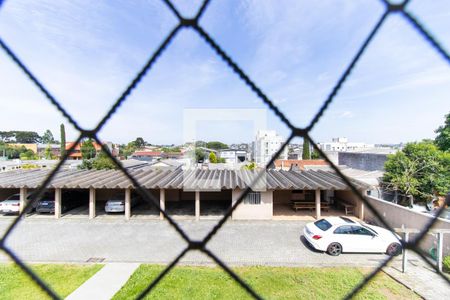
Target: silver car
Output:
[(117, 204)]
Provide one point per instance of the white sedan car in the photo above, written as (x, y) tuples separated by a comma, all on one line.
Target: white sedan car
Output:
[(340, 234), (10, 205)]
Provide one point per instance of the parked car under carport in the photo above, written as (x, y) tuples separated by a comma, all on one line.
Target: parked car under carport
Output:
[(69, 200)]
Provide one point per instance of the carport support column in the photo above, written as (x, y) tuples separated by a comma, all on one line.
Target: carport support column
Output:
[(57, 203), (127, 203), (361, 206), (197, 205), (318, 204), (162, 202), (23, 198), (91, 203)]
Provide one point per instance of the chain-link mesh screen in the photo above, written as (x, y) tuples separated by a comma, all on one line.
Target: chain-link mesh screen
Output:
[(200, 245)]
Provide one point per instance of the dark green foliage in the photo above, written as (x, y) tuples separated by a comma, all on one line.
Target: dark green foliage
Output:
[(216, 145), (139, 142), (21, 137), (315, 155), (63, 140), (103, 162), (88, 150), (12, 152), (28, 155), (443, 138), (306, 149), (100, 162), (48, 138), (199, 155), (420, 170), (6, 136)]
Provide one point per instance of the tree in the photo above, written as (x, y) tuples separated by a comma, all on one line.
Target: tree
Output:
[(63, 140), (216, 145), (28, 155), (6, 136), (27, 137), (103, 162), (48, 138), (306, 149), (212, 158), (443, 138), (315, 154), (48, 154), (139, 142), (127, 150), (87, 149), (199, 155), (420, 170)]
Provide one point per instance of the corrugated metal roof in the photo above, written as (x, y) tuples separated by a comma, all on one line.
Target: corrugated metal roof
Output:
[(196, 179)]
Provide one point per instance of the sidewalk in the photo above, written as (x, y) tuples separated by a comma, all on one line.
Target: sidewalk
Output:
[(105, 283), (420, 278)]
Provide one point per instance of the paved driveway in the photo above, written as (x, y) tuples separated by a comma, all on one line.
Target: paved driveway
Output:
[(152, 241)]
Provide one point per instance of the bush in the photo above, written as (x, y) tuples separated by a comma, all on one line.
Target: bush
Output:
[(446, 264)]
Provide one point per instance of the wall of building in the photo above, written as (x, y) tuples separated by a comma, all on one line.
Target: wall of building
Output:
[(262, 211), (362, 161), (398, 216), (351, 198), (283, 196)]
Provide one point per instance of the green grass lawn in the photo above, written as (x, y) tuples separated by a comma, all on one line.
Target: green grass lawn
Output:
[(62, 278), (270, 282)]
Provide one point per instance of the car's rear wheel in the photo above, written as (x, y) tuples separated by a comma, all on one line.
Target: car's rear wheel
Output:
[(394, 249), (334, 249)]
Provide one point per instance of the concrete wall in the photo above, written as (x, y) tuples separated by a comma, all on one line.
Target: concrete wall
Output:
[(362, 161), (351, 198), (262, 211), (398, 216)]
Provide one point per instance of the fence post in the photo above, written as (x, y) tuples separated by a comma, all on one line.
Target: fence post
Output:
[(162, 202), (440, 240), (405, 255), (197, 205)]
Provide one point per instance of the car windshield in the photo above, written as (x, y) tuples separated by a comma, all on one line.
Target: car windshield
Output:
[(14, 197), (10, 201), (323, 224)]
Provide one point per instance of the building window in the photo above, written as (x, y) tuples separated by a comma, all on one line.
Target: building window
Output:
[(253, 198)]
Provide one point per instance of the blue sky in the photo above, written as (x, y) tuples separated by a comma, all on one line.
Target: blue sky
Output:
[(86, 52)]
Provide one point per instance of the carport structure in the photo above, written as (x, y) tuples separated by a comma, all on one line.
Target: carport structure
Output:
[(184, 192)]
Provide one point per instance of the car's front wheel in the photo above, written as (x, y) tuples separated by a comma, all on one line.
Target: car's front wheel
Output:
[(394, 249), (334, 249)]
